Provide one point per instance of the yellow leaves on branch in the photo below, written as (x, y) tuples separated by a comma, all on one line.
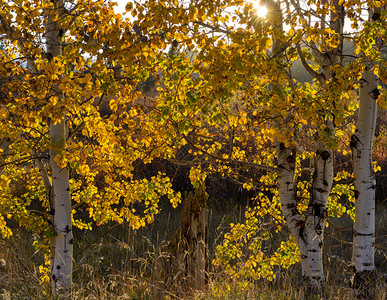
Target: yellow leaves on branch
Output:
[(197, 177), (102, 62), (5, 181), (102, 202), (231, 255), (4, 230), (104, 59)]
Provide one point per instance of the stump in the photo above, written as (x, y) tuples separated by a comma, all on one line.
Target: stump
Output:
[(183, 263)]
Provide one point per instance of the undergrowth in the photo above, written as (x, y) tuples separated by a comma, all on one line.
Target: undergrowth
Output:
[(115, 262)]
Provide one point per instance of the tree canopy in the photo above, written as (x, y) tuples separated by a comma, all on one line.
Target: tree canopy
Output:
[(234, 106)]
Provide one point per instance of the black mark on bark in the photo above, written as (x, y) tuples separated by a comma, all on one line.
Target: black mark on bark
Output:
[(325, 155)]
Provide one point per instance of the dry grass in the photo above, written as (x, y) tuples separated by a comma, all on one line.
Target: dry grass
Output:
[(114, 262)]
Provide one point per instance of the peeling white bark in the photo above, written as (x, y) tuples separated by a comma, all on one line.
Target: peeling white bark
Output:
[(323, 174)]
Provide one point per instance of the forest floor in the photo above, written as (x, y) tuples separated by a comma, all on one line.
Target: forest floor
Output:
[(115, 262)]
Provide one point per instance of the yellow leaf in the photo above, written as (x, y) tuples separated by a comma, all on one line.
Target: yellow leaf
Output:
[(129, 6)]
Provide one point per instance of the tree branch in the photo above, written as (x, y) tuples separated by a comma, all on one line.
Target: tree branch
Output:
[(308, 68)]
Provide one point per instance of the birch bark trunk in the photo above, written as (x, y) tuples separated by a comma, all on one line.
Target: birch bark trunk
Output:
[(294, 220), (309, 230), (364, 278), (316, 215), (61, 268), (364, 226)]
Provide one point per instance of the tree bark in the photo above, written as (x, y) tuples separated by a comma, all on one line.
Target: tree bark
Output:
[(316, 215), (62, 258), (308, 231), (194, 230), (61, 269), (184, 263), (363, 282), (364, 277), (294, 220)]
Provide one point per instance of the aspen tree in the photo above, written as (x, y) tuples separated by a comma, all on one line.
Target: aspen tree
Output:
[(60, 61), (62, 262), (239, 62), (364, 279)]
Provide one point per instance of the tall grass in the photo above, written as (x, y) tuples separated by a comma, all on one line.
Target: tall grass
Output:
[(115, 262)]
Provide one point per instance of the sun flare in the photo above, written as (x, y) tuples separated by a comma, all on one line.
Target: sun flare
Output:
[(261, 9)]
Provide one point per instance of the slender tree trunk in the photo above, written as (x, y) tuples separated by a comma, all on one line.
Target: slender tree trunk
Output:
[(61, 268), (307, 231), (295, 222), (323, 164), (364, 278), (364, 227), (316, 215)]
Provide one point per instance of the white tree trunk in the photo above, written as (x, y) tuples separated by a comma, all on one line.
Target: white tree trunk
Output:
[(294, 220), (323, 167), (364, 227), (364, 279), (317, 213), (308, 232), (61, 268)]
